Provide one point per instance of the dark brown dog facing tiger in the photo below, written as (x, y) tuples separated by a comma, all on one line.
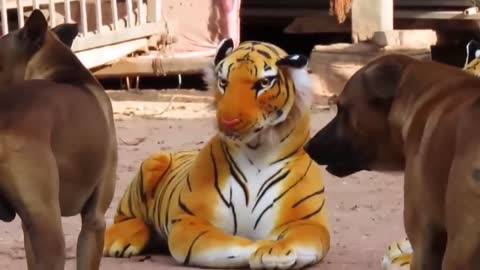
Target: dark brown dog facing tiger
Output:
[(251, 197), (399, 113)]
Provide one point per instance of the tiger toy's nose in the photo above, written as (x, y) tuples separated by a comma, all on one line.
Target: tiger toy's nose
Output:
[(229, 122)]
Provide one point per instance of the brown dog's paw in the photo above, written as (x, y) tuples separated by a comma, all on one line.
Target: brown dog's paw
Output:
[(126, 238)]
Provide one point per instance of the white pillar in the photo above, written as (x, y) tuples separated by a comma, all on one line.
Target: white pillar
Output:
[(370, 16)]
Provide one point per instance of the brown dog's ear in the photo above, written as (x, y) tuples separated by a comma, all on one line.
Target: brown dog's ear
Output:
[(34, 30), (381, 78), (66, 32)]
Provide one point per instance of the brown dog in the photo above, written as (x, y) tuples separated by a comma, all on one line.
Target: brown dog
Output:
[(398, 113), (58, 149)]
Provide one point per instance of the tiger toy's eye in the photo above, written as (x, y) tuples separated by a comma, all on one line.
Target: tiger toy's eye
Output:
[(222, 84), (265, 82)]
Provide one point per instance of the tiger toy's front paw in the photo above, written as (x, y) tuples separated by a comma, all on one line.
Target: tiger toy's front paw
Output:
[(398, 256), (125, 239), (281, 255)]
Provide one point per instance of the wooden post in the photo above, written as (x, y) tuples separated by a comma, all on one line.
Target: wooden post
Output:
[(370, 16), (98, 15), (68, 11), (114, 14), (154, 10), (129, 7), (20, 14), (51, 12), (83, 17), (4, 17)]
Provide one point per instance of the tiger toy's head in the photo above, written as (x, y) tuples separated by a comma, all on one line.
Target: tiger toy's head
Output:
[(257, 87), (472, 61)]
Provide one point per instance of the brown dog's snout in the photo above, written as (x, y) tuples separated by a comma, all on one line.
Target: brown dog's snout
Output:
[(332, 148), (321, 148)]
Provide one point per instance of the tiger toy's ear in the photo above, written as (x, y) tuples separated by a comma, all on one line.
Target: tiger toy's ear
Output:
[(295, 65), (293, 61), (473, 51), (224, 48)]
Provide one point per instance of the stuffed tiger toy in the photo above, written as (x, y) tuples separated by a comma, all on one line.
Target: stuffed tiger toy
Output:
[(251, 197), (399, 254)]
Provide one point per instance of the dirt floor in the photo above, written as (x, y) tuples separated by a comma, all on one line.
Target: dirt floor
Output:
[(365, 209)]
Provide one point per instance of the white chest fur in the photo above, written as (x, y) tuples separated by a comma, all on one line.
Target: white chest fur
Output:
[(249, 208)]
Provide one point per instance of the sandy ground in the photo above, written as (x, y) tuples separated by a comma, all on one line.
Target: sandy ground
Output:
[(365, 209)]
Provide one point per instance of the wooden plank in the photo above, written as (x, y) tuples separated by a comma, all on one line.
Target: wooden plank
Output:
[(318, 24), (151, 65), (101, 56), (432, 3), (435, 15), (112, 37), (279, 12), (12, 4)]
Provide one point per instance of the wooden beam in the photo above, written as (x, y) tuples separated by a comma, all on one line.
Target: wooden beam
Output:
[(113, 37), (155, 65), (101, 56), (435, 15)]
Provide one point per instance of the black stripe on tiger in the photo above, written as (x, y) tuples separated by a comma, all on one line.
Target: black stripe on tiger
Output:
[(183, 206), (268, 181), (283, 194), (289, 155), (236, 172), (274, 51), (316, 193), (264, 53), (169, 201), (154, 188), (275, 181), (219, 191), (189, 253)]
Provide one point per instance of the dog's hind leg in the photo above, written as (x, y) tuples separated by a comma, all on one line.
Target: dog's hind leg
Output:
[(28, 248), (33, 188), (462, 200), (91, 238)]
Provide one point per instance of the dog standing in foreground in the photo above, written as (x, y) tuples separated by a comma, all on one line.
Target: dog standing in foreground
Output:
[(58, 149), (398, 113)]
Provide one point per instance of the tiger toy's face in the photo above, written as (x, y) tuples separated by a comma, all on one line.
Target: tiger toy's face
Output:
[(256, 86)]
